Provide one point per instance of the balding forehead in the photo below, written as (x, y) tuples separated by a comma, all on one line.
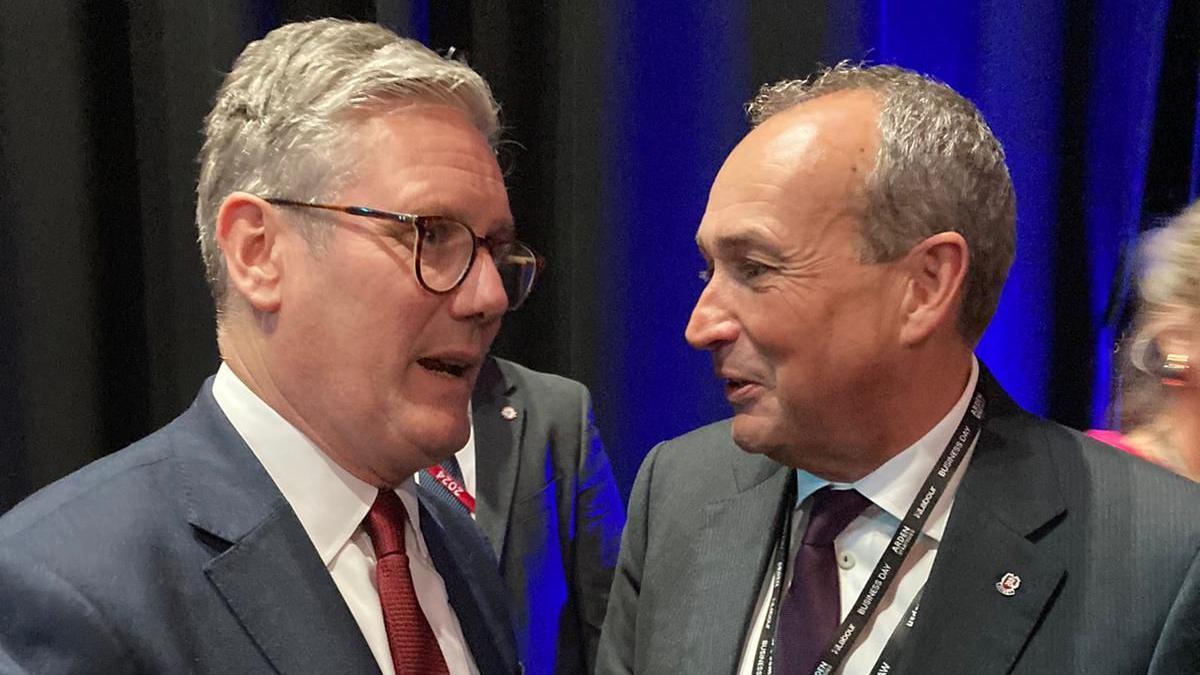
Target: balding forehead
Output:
[(798, 176), (826, 146), (842, 125)]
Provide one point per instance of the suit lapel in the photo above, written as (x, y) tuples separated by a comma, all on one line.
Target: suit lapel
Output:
[(734, 551), (1009, 493), (269, 575), (463, 560), (283, 596), (497, 439)]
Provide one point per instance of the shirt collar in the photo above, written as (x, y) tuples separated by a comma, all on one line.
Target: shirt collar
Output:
[(329, 501), (893, 486)]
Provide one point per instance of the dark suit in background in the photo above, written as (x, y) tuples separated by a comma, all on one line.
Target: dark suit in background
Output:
[(237, 586), (1105, 546), (549, 504)]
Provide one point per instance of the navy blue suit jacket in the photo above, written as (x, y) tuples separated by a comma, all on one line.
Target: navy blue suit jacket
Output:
[(179, 554)]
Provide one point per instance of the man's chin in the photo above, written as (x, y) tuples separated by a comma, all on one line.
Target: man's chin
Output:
[(749, 435), (434, 434), (392, 469), (753, 435), (441, 446)]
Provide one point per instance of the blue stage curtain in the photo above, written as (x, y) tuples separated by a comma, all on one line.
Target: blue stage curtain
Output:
[(678, 78)]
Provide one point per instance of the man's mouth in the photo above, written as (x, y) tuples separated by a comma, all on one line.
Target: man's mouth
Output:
[(446, 367), (734, 385), (740, 391)]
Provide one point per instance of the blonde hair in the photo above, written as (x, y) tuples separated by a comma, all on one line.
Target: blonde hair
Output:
[(1168, 286)]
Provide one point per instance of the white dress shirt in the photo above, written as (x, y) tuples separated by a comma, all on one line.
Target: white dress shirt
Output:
[(891, 489), (331, 505)]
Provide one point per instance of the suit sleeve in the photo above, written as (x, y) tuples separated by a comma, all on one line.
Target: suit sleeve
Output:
[(618, 640), (1178, 648), (48, 627), (600, 516)]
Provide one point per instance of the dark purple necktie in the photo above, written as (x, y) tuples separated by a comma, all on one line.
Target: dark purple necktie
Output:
[(809, 614)]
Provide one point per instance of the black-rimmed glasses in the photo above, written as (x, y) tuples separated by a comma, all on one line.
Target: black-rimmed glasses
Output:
[(444, 250)]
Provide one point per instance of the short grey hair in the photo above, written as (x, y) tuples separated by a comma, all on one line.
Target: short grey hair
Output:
[(1168, 289), (939, 168), (284, 118)]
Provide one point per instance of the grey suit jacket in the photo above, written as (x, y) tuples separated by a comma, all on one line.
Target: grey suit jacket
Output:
[(548, 503), (179, 555), (1105, 546)]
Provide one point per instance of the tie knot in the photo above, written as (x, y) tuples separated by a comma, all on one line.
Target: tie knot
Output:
[(832, 510), (385, 524)]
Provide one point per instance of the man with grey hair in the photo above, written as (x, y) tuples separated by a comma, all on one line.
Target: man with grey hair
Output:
[(877, 503), (361, 252)]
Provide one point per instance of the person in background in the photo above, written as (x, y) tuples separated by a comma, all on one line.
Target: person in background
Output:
[(537, 480), (361, 252), (1160, 390)]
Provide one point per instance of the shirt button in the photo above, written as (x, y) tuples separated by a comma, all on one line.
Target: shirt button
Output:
[(846, 560)]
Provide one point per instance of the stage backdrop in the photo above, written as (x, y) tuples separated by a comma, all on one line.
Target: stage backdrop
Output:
[(619, 113)]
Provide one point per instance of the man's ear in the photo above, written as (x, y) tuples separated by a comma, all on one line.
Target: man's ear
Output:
[(247, 234), (937, 268)]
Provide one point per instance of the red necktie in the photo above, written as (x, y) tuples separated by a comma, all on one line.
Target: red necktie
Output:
[(414, 648), (808, 617)]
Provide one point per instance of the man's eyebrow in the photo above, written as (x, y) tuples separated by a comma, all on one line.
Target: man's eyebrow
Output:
[(438, 208), (738, 241), (500, 229)]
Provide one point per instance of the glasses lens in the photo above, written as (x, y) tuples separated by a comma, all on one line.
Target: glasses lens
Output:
[(518, 267), (445, 253)]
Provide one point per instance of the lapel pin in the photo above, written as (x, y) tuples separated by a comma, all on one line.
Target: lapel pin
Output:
[(508, 412), (1008, 584)]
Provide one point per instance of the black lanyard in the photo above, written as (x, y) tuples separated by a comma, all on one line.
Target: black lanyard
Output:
[(886, 570), (764, 656), (891, 651)]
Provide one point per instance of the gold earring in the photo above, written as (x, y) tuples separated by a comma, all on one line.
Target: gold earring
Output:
[(1175, 370)]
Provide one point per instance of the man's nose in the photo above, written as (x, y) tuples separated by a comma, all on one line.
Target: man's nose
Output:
[(482, 293), (711, 324)]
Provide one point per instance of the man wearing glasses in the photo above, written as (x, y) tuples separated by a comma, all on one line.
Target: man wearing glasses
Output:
[(361, 251)]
